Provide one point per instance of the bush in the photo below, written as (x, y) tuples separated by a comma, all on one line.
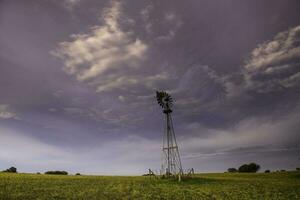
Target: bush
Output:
[(298, 169), (77, 174), (282, 170), (252, 167), (57, 172), (267, 171), (232, 170), (11, 170)]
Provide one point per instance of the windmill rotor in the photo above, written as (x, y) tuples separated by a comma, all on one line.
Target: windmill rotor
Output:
[(164, 100)]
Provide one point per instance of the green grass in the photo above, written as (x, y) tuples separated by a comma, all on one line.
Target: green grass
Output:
[(203, 186)]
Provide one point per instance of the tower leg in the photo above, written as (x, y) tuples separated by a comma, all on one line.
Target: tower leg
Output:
[(171, 158)]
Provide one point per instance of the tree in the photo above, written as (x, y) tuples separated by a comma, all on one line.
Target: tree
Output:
[(267, 171), (11, 170), (252, 167), (57, 172), (232, 170)]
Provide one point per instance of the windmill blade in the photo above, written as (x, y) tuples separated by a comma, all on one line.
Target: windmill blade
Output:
[(159, 97)]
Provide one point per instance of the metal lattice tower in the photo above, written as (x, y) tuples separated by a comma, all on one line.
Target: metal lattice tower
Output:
[(171, 163)]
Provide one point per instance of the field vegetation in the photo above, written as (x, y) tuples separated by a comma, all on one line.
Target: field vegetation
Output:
[(239, 186)]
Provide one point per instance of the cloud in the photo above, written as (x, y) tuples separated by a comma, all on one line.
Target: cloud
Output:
[(275, 65), (100, 57), (74, 111), (166, 29), (199, 90), (52, 110), (134, 154), (58, 93), (6, 113), (173, 22), (70, 4), (17, 147), (145, 14), (254, 135), (114, 62)]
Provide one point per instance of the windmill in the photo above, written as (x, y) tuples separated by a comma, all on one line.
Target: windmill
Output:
[(171, 163)]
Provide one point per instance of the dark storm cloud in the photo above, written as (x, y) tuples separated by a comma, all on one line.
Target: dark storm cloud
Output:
[(78, 78)]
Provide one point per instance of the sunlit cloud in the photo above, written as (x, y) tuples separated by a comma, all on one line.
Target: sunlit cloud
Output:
[(6, 113), (274, 65)]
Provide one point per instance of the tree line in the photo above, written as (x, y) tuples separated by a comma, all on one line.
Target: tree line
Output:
[(250, 168)]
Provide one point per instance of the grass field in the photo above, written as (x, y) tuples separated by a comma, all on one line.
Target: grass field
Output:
[(285, 185)]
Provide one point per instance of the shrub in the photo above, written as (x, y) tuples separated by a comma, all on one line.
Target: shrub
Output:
[(267, 171), (57, 172), (252, 167), (298, 169), (282, 170), (232, 170), (77, 174), (11, 170)]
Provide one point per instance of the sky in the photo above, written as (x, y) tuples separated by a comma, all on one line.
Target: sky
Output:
[(78, 81)]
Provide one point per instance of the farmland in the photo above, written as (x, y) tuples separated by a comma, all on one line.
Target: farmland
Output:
[(283, 185)]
